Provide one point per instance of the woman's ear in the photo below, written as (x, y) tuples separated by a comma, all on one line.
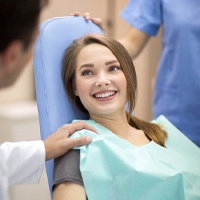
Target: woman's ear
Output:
[(76, 92)]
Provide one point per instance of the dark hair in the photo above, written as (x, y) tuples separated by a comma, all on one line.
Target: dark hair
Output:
[(152, 131), (18, 20)]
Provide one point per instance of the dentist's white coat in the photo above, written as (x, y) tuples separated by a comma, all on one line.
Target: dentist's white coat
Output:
[(20, 163)]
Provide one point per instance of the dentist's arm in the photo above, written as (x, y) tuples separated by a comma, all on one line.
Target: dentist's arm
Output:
[(23, 162)]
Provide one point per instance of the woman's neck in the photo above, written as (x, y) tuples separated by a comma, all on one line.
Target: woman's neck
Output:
[(116, 124), (120, 126)]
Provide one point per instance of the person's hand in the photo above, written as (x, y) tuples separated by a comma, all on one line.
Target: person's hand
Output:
[(95, 20), (59, 142)]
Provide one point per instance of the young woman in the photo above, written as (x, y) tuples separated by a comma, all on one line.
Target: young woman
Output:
[(100, 78)]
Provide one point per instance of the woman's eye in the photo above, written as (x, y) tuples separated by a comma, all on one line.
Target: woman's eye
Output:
[(114, 68), (86, 73)]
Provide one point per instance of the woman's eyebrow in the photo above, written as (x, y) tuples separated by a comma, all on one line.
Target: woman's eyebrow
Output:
[(92, 65), (86, 65), (111, 62)]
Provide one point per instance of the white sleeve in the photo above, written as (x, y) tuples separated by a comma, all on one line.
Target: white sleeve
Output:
[(24, 161), (3, 178)]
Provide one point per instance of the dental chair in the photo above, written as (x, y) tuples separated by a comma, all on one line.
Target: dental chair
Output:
[(54, 107)]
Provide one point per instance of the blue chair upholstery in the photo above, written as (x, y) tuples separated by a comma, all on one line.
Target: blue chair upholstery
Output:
[(54, 107)]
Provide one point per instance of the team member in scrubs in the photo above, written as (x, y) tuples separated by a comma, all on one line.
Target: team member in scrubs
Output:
[(177, 83), (177, 87), (23, 162)]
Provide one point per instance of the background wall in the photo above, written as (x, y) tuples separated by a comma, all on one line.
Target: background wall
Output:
[(108, 11), (23, 91)]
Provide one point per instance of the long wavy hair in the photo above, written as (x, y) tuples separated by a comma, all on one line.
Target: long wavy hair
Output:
[(152, 131)]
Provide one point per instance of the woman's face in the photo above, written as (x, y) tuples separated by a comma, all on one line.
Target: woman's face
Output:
[(100, 83)]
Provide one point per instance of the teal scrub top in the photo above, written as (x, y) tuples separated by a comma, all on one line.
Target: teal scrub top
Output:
[(114, 169)]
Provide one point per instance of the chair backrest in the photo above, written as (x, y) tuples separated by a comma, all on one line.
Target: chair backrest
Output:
[(54, 107)]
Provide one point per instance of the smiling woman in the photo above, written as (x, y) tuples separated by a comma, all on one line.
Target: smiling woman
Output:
[(95, 65), (100, 82), (100, 78)]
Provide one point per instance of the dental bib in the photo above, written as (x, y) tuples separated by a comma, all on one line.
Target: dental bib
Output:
[(114, 169)]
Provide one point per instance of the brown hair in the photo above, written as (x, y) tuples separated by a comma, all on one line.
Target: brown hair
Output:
[(152, 131)]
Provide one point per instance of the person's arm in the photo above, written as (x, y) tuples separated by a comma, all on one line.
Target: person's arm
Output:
[(68, 182), (134, 41), (69, 191), (25, 161)]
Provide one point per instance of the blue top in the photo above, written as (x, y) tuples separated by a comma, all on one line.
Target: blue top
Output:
[(177, 89)]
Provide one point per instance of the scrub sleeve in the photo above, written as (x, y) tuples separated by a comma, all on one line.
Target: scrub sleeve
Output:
[(21, 163)]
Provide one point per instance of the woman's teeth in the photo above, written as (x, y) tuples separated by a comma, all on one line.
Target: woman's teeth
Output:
[(104, 95)]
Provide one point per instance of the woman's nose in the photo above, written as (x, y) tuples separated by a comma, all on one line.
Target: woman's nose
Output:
[(102, 81)]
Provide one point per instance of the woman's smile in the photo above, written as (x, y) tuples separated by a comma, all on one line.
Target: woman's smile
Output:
[(104, 96)]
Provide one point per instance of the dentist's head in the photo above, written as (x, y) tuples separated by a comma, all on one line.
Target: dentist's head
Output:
[(19, 21)]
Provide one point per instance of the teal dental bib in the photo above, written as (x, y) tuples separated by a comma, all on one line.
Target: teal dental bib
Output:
[(114, 169)]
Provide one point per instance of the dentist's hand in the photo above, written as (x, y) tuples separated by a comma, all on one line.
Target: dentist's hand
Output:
[(58, 143)]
